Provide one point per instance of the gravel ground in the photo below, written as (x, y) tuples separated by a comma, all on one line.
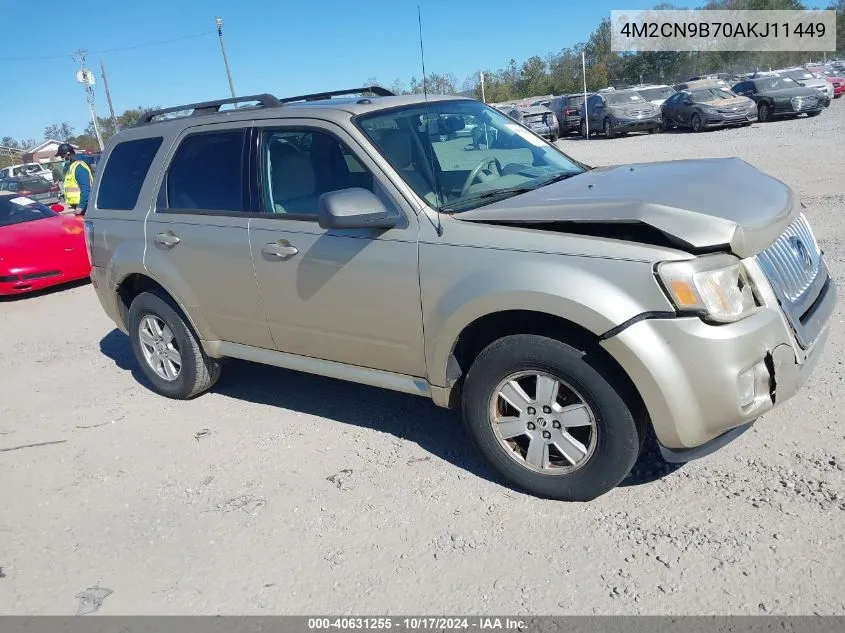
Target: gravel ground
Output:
[(280, 493)]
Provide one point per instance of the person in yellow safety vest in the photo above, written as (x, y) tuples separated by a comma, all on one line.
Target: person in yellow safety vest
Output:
[(78, 179)]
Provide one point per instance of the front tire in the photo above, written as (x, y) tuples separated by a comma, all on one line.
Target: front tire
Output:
[(167, 349), (764, 114), (696, 123), (584, 129), (608, 129), (549, 421), (814, 113)]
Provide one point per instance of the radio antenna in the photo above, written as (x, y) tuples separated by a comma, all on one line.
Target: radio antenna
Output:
[(439, 226)]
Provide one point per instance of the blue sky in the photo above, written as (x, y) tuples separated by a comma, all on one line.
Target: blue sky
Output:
[(277, 46)]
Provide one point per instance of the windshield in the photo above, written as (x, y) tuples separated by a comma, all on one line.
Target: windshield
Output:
[(711, 94), (621, 98), (459, 155), (798, 74), (777, 83), (652, 94), (17, 209)]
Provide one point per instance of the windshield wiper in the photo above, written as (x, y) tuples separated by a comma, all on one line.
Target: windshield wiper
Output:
[(493, 193)]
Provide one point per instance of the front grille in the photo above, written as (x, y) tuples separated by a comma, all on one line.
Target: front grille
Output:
[(49, 273), (804, 103), (639, 113), (738, 110), (8, 279), (798, 274)]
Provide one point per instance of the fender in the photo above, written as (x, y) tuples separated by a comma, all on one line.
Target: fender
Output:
[(596, 294)]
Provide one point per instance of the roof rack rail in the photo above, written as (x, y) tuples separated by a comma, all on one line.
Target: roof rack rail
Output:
[(376, 90), (209, 107)]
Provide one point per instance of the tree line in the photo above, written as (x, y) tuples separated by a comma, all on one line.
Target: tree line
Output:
[(561, 72)]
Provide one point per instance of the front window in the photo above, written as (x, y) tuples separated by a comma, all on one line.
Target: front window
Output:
[(777, 83), (652, 94), (18, 209), (798, 75), (622, 98), (459, 155)]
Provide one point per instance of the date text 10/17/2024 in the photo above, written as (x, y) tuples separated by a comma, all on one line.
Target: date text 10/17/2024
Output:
[(416, 623)]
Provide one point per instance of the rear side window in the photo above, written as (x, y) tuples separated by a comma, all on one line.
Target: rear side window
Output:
[(125, 172), (207, 173)]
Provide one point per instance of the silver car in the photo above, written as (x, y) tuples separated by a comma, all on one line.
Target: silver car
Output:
[(565, 310)]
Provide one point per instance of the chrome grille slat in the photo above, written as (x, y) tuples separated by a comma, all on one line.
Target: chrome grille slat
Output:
[(795, 268)]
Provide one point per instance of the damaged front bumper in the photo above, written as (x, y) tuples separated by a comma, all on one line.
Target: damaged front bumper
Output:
[(703, 384)]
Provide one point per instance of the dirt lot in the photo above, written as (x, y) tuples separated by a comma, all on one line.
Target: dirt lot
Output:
[(282, 493)]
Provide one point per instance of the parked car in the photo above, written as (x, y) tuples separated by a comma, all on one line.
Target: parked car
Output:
[(781, 96), (707, 107), (655, 94), (539, 119), (620, 112), (34, 187), (836, 80), (810, 80), (27, 169), (567, 310), (567, 109), (38, 247)]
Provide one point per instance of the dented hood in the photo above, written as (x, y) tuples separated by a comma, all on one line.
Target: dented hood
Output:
[(699, 205)]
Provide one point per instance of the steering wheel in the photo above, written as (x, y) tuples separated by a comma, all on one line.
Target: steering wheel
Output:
[(485, 162)]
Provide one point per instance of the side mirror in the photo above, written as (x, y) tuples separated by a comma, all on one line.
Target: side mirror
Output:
[(352, 209)]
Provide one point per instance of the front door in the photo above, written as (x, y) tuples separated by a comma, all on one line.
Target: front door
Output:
[(198, 239), (350, 296)]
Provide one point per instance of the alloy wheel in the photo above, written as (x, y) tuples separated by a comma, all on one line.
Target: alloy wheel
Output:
[(159, 347), (543, 423)]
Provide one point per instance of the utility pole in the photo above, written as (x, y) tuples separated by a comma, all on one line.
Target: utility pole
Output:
[(108, 95), (86, 78), (483, 98), (219, 23)]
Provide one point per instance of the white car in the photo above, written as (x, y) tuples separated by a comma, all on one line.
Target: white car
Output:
[(27, 169)]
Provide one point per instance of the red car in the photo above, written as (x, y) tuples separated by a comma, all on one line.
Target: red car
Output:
[(38, 247), (837, 82)]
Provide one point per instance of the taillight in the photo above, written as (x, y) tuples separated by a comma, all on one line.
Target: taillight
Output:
[(89, 240)]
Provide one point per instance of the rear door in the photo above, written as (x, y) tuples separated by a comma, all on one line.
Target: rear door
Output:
[(197, 234)]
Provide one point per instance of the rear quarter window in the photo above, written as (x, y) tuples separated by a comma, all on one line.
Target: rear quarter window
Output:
[(125, 172)]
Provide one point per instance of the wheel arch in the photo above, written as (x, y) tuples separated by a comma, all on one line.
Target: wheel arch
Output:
[(134, 283)]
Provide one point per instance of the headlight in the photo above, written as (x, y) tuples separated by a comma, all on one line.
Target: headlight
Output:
[(714, 286)]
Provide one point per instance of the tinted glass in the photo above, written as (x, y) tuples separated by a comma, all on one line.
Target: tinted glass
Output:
[(656, 93), (301, 165), (125, 172), (14, 210), (207, 173)]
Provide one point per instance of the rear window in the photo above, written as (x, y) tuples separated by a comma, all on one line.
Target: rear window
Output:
[(207, 173), (125, 172)]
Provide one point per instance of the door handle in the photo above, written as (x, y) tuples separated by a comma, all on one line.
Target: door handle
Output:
[(168, 239), (281, 249)]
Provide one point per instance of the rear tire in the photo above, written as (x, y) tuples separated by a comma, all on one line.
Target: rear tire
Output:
[(196, 372), (607, 445)]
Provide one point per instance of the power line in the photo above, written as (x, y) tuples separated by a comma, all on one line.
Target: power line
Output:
[(109, 50)]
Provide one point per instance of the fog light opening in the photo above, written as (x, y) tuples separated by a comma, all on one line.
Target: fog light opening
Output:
[(753, 384)]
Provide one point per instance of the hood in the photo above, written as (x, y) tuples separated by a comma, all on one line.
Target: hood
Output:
[(697, 205), (728, 103), (628, 108)]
